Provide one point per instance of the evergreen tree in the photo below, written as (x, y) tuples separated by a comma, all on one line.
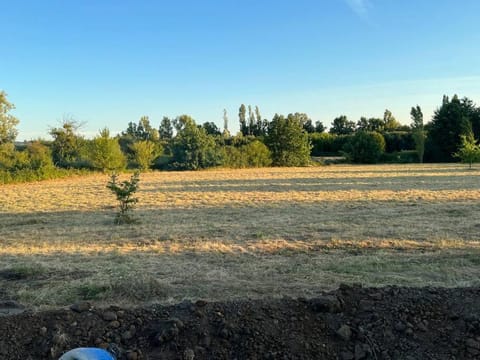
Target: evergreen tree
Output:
[(454, 119)]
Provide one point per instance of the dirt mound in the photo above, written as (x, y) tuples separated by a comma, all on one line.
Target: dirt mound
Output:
[(349, 323)]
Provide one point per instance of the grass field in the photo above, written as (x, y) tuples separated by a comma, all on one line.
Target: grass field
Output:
[(240, 233)]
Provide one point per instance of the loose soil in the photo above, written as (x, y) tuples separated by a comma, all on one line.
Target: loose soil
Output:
[(349, 323)]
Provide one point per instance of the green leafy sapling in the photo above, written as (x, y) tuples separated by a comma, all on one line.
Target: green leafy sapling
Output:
[(124, 191)]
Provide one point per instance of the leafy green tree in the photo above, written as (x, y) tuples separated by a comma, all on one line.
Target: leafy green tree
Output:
[(142, 131), (124, 193), (105, 153), (211, 128), (251, 121), (67, 144), (418, 131), (342, 126), (242, 117), (454, 119), (8, 122), (319, 127), (370, 124), (308, 126), (287, 141), (389, 121), (145, 152), (469, 151), (165, 130), (365, 147), (193, 148)]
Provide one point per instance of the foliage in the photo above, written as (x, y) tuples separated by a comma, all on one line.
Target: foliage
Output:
[(253, 125), (288, 142), (8, 122), (365, 147), (145, 152), (15, 175), (165, 131), (370, 124), (252, 154), (319, 127), (142, 131), (418, 132), (67, 144), (469, 151), (322, 143), (193, 148), (124, 193), (211, 128), (40, 156), (389, 121), (342, 126), (327, 143), (396, 141), (105, 152), (7, 155), (454, 119)]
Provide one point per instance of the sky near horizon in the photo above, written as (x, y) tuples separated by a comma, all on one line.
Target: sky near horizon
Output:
[(109, 62)]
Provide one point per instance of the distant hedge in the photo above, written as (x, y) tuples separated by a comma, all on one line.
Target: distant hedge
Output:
[(25, 175)]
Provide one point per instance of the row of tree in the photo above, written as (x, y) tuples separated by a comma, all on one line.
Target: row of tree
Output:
[(283, 141)]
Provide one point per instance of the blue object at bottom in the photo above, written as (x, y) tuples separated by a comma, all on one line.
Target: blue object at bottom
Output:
[(87, 354)]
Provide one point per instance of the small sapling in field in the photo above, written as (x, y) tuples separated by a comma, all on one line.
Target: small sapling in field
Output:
[(124, 191)]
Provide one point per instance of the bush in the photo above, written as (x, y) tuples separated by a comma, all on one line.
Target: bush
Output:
[(365, 147), (145, 152), (254, 154)]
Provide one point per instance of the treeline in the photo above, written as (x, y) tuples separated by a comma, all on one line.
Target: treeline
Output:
[(291, 140)]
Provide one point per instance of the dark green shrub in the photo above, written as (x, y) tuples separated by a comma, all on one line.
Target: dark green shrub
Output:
[(396, 141)]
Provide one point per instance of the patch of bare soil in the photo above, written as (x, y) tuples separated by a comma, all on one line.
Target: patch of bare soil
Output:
[(349, 323)]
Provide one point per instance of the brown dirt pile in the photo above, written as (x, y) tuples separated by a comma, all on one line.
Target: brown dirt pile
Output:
[(349, 323)]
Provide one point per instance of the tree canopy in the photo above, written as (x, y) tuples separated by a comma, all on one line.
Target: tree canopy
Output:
[(8, 122), (287, 141)]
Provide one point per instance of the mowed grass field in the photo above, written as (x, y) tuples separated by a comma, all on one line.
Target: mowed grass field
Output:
[(224, 234)]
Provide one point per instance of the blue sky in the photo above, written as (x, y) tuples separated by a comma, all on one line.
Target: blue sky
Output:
[(108, 62)]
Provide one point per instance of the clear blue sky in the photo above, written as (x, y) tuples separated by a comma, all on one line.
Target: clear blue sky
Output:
[(108, 62)]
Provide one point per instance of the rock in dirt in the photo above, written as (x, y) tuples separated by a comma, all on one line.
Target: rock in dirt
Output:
[(81, 306), (345, 332)]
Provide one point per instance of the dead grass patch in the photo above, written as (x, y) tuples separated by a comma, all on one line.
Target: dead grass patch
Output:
[(235, 233)]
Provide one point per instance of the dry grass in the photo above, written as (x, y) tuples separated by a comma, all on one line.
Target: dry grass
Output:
[(231, 233)]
